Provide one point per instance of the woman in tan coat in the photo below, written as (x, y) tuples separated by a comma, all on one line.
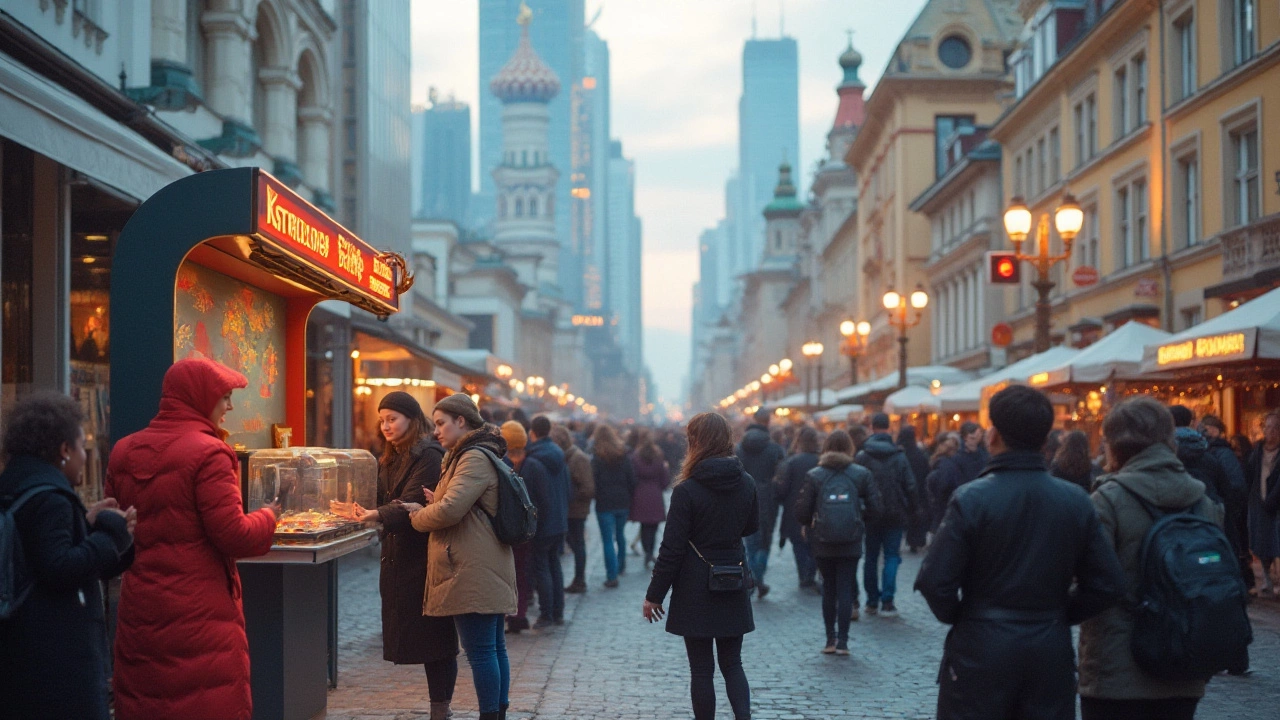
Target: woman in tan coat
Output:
[(471, 575)]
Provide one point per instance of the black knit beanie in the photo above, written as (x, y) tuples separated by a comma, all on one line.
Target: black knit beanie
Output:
[(403, 403)]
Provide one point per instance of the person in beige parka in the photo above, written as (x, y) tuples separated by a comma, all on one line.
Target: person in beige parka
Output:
[(1140, 455), (471, 575)]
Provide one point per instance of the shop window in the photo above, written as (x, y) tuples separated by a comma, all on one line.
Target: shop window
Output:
[(17, 208)]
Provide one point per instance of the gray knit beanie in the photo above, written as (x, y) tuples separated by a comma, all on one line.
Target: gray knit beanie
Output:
[(462, 405)]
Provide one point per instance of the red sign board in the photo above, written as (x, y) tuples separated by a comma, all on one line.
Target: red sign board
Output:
[(1001, 335), (1084, 276), (298, 228), (1146, 287)]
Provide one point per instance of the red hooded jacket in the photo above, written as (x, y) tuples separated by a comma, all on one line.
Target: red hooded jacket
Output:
[(181, 650)]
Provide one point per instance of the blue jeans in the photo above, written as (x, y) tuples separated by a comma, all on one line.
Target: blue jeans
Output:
[(550, 576), (613, 530), (482, 639), (890, 539), (757, 556), (806, 568)]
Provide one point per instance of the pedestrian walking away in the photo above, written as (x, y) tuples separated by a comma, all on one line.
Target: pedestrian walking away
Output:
[(553, 523), (702, 564), (899, 500), (1263, 474), (535, 478), (1073, 462), (964, 466), (653, 477), (471, 575), (584, 490), (920, 521), (760, 457), (53, 644), (1147, 480), (408, 472), (1236, 504), (832, 501), (787, 483), (181, 648), (615, 479), (1001, 570)]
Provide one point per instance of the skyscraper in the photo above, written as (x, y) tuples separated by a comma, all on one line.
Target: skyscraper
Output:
[(768, 134), (624, 272), (442, 161), (557, 36), (583, 283)]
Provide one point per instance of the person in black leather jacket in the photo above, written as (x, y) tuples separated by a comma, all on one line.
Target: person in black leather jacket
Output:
[(1000, 571), (899, 500), (1236, 503), (760, 457)]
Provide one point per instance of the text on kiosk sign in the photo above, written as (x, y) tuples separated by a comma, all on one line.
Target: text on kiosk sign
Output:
[(312, 236), (1213, 346)]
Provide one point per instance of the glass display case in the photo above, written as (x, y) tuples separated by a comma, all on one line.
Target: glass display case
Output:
[(322, 491)]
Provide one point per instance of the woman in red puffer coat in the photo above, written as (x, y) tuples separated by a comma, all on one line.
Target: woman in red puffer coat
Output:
[(181, 650)]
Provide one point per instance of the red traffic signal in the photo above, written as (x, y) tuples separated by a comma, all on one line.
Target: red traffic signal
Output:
[(1003, 268)]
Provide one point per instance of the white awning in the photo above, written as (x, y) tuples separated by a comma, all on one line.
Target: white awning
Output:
[(1116, 356), (967, 397), (912, 399), (1251, 331), (839, 412), (923, 376), (827, 398)]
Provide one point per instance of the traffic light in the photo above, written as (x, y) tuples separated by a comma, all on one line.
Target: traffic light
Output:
[(1003, 268)]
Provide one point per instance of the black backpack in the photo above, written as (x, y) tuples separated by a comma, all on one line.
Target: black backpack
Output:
[(837, 516), (15, 583), (516, 520), (1190, 621)]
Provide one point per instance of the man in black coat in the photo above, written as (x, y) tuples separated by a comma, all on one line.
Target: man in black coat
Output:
[(553, 524), (1236, 502), (1001, 569), (760, 456), (1193, 451), (899, 501)]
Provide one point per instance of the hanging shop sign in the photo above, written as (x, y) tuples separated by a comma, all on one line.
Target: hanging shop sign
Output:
[(1146, 287), (296, 227), (1208, 349), (1084, 276), (1001, 335)]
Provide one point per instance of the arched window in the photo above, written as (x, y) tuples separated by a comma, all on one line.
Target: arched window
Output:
[(313, 122), (195, 43), (777, 240), (533, 207), (519, 207), (502, 207)]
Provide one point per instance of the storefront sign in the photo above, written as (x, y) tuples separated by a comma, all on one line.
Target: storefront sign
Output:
[(1084, 276), (1208, 349), (588, 320), (299, 229), (1146, 287), (1039, 379)]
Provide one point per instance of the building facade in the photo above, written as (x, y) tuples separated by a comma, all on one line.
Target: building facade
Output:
[(442, 160)]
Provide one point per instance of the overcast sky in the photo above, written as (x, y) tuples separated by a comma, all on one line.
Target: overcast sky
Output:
[(677, 76)]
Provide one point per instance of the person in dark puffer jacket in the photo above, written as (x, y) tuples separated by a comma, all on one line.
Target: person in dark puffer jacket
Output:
[(899, 499), (1236, 504), (787, 483), (760, 457), (1193, 451)]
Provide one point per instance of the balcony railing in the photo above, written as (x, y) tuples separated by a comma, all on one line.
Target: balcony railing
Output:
[(1251, 249)]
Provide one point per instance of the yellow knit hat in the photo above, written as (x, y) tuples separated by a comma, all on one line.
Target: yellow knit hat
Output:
[(513, 432)]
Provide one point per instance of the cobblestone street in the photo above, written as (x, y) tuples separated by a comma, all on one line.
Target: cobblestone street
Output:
[(608, 663)]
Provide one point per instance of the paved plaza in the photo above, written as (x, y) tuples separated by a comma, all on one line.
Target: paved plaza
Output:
[(608, 663)]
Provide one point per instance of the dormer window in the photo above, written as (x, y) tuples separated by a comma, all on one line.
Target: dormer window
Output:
[(954, 52)]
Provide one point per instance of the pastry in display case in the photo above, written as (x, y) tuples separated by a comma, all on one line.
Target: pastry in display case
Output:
[(322, 491)]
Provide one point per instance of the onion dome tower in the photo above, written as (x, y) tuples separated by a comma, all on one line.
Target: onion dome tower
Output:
[(850, 114), (782, 217), (526, 180)]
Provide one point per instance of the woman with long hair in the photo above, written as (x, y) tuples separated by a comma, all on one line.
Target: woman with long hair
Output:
[(53, 647), (944, 450), (787, 482), (471, 575), (653, 477), (1073, 462), (615, 478), (408, 475), (713, 507), (919, 524), (833, 499)]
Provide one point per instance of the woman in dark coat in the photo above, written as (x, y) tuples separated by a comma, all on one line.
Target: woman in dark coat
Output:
[(408, 470), (615, 479), (786, 488), (1263, 476), (917, 526), (713, 507), (653, 477), (1073, 462), (53, 648)]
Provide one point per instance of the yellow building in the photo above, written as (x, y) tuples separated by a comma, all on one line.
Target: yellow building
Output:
[(1151, 114), (947, 72)]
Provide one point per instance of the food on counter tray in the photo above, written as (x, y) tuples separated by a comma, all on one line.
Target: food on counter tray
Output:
[(309, 521)]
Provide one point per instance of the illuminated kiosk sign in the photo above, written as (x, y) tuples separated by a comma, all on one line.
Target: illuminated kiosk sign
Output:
[(588, 320), (1208, 349), (294, 226)]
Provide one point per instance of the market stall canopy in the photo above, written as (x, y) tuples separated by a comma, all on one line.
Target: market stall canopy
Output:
[(923, 376), (1250, 332), (839, 412), (799, 400), (967, 397), (912, 399), (1116, 356)]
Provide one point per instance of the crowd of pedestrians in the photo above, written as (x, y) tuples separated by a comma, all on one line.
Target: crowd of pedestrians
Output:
[(1025, 533)]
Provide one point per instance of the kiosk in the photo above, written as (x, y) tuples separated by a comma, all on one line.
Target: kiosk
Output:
[(229, 264)]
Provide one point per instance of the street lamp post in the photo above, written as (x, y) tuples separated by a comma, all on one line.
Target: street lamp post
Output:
[(1067, 218), (855, 344), (897, 305), (813, 351)]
